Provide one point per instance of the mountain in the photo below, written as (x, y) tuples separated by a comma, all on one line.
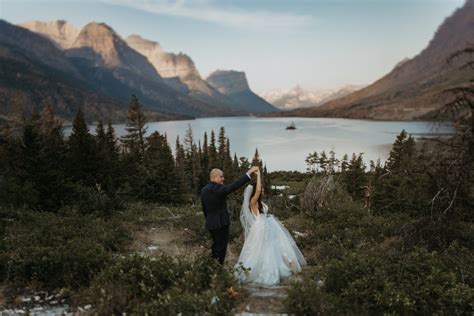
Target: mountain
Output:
[(35, 72), (413, 89), (297, 97), (106, 59), (60, 32), (234, 85), (178, 71)]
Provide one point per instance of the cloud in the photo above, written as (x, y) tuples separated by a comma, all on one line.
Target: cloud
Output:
[(231, 16)]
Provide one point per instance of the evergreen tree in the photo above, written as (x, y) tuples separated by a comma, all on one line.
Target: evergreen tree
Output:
[(402, 153), (53, 183), (108, 155), (228, 166), (180, 166), (192, 164), (111, 142), (32, 170), (244, 165), (82, 154), (235, 165), (213, 158), (312, 162), (397, 187), (161, 183), (344, 163), (22, 176), (256, 161), (134, 140), (267, 184), (333, 163), (205, 159), (323, 162), (100, 135), (223, 151), (355, 177)]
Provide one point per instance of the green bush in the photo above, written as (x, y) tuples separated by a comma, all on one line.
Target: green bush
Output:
[(51, 250), (90, 200), (161, 286), (376, 282)]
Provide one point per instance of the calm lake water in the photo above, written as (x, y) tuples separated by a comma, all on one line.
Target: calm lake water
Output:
[(283, 149)]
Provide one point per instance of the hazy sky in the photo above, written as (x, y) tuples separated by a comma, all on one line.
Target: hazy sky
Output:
[(280, 43)]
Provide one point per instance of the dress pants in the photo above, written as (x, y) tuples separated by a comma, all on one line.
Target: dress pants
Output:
[(220, 239)]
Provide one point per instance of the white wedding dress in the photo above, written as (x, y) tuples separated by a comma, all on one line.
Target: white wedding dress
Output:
[(269, 253)]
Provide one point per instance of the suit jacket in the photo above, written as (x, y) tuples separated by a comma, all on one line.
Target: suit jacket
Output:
[(214, 202)]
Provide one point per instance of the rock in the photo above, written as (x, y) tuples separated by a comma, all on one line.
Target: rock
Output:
[(26, 299)]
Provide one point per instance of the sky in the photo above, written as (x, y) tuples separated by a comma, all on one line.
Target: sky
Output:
[(317, 44)]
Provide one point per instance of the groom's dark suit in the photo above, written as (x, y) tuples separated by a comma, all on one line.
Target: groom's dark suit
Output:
[(214, 206)]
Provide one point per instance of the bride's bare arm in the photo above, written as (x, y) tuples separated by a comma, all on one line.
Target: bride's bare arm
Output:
[(258, 191)]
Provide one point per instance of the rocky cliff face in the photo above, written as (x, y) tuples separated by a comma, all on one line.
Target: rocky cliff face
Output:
[(178, 70), (413, 89), (60, 32), (100, 44), (106, 59), (228, 81), (235, 86)]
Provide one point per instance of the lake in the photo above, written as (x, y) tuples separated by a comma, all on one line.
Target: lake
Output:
[(283, 149)]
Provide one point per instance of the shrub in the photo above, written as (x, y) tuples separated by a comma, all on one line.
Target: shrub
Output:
[(90, 200), (164, 286), (323, 193), (51, 250), (373, 282)]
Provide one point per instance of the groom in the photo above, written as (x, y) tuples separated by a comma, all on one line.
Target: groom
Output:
[(214, 206)]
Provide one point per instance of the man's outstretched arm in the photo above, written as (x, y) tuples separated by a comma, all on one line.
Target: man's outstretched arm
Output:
[(229, 188)]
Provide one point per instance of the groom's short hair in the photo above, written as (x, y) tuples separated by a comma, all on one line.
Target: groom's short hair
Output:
[(214, 172)]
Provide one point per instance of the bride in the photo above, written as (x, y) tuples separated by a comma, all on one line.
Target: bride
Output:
[(269, 253)]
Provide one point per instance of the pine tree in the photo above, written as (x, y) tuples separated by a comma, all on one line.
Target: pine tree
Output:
[(109, 175), (397, 185), (111, 142), (222, 149), (323, 162), (267, 182), (161, 183), (333, 163), (244, 164), (32, 170), (53, 176), (312, 162), (344, 163), (205, 158), (192, 163), (256, 161), (134, 140), (228, 166), (402, 153), (355, 177), (180, 167), (235, 165), (82, 154), (213, 159)]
